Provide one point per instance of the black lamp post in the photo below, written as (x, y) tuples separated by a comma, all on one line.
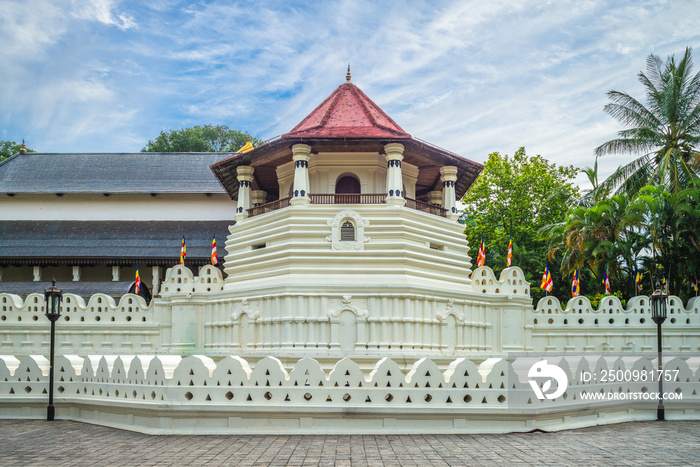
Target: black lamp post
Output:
[(53, 298), (658, 314)]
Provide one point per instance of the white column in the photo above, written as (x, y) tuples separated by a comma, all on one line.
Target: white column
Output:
[(245, 176), (155, 281), (76, 273), (37, 273), (115, 273), (257, 197), (435, 198), (301, 153), (394, 177), (448, 176)]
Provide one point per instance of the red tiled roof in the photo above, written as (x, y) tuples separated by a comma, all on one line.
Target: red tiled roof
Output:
[(348, 112)]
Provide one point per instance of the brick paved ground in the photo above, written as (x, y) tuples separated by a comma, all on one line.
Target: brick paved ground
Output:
[(33, 442)]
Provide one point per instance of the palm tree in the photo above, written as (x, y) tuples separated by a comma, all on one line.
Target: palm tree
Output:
[(604, 235), (666, 132)]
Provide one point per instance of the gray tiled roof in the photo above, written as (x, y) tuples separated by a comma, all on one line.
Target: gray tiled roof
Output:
[(49, 241), (141, 172)]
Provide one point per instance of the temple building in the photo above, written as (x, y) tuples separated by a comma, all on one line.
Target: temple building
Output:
[(89, 219), (357, 245), (345, 301)]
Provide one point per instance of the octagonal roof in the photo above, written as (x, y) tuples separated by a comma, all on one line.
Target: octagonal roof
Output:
[(347, 112)]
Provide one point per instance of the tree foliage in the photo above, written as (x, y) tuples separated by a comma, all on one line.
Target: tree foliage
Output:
[(205, 138), (665, 131), (10, 148), (516, 197), (658, 231), (595, 238)]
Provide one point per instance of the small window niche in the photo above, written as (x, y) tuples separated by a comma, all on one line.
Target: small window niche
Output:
[(347, 231)]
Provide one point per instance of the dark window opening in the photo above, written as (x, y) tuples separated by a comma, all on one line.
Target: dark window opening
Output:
[(347, 232), (347, 185)]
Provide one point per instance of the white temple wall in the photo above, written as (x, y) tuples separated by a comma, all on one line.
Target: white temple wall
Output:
[(127, 207), (299, 247), (100, 324), (197, 315), (611, 327), (195, 395)]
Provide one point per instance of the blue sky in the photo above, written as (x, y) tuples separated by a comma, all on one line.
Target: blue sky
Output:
[(470, 76)]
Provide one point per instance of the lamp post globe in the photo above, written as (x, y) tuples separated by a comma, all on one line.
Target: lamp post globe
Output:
[(658, 315), (53, 297)]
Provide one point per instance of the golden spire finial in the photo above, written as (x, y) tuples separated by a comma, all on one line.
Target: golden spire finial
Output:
[(23, 149), (347, 75)]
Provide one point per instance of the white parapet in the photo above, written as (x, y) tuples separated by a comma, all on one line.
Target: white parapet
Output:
[(611, 327), (100, 325), (195, 395)]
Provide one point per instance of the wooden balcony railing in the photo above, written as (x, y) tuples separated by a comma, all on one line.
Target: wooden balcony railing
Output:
[(367, 198), (267, 207), (425, 207)]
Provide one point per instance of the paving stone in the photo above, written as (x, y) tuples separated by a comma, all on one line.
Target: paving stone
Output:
[(40, 443)]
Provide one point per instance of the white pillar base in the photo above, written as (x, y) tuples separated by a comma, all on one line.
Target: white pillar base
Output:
[(395, 201)]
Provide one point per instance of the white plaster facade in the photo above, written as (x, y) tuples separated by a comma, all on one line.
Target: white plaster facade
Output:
[(127, 207)]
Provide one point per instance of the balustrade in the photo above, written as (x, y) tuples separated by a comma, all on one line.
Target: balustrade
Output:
[(348, 198)]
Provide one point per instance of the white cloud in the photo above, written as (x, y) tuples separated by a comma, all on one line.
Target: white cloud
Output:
[(470, 76), (102, 11), (27, 28)]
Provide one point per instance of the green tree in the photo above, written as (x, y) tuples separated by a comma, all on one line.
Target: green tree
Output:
[(671, 222), (665, 131), (514, 198), (10, 148), (598, 237), (657, 230), (205, 138)]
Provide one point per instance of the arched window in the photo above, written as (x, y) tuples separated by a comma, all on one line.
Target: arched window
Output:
[(347, 184), (347, 232)]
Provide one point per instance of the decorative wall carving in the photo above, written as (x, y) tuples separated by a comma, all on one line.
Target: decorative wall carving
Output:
[(357, 221)]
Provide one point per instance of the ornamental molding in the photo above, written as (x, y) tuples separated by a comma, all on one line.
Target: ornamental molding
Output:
[(347, 305), (244, 308), (359, 223), (449, 310)]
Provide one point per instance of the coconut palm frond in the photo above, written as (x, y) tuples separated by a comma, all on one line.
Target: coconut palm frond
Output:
[(666, 127)]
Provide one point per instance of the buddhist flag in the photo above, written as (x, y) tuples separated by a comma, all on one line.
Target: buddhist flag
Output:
[(137, 282), (214, 256), (638, 279), (509, 259), (246, 147), (183, 251), (547, 282), (481, 257), (664, 282), (695, 284), (606, 281), (575, 287)]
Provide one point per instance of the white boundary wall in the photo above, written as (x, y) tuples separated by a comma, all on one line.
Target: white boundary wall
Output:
[(196, 315), (611, 327), (169, 394), (120, 364)]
